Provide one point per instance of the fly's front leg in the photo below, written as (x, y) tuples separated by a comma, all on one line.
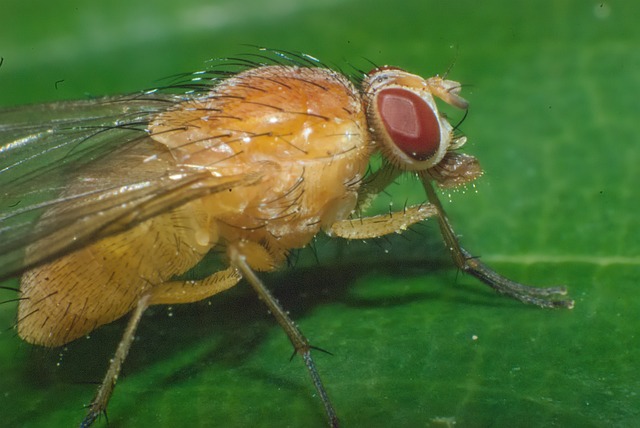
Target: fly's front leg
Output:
[(472, 265), (375, 184), (299, 341), (380, 225)]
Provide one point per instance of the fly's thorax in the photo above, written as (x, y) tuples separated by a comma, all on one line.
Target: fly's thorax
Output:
[(274, 113), (303, 128)]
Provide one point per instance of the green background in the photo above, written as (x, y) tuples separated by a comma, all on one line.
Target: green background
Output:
[(553, 87)]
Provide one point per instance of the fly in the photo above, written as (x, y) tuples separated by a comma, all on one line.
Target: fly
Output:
[(106, 202)]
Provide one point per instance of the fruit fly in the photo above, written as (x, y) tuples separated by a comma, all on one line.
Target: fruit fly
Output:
[(105, 203)]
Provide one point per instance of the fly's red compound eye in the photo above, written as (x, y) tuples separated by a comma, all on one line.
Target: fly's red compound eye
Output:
[(410, 122), (403, 117)]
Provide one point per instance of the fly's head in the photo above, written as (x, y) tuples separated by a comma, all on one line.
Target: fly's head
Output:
[(405, 122)]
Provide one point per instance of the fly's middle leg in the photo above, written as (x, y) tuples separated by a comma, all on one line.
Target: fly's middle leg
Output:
[(299, 341)]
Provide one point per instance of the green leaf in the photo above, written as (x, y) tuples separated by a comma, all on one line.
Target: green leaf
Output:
[(553, 88)]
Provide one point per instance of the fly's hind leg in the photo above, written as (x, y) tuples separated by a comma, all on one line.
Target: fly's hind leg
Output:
[(173, 292), (542, 297), (98, 405), (176, 292)]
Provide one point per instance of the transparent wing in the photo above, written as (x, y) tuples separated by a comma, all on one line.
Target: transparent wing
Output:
[(75, 172)]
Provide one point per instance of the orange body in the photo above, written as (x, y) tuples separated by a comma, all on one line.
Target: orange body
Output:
[(301, 131)]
